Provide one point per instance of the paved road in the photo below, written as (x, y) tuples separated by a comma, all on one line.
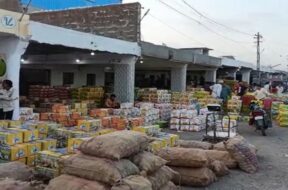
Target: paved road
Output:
[(273, 161)]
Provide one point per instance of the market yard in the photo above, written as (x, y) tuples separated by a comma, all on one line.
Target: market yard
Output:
[(86, 104), (272, 155)]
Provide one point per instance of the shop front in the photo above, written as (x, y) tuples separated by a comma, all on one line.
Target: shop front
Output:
[(169, 68)]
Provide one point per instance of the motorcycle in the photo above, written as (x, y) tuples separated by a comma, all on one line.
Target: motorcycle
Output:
[(260, 118)]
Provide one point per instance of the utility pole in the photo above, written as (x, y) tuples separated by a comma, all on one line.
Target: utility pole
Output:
[(258, 38)]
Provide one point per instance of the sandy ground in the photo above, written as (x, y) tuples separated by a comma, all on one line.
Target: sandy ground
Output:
[(273, 161)]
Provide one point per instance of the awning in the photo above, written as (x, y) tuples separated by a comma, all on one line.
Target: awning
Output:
[(48, 34)]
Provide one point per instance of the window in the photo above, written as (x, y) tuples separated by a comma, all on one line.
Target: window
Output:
[(68, 78), (91, 80)]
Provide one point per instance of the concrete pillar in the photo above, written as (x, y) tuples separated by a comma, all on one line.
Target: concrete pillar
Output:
[(12, 48), (210, 75), (124, 81), (246, 75), (178, 78)]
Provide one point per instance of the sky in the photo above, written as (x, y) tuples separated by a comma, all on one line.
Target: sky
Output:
[(176, 24)]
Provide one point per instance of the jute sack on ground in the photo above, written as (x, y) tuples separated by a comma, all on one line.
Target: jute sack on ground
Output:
[(223, 156), (242, 152), (15, 170), (11, 184), (219, 146), (188, 157), (67, 182), (161, 177), (134, 182), (219, 168), (195, 177), (148, 162), (99, 169), (116, 145), (194, 144), (169, 186)]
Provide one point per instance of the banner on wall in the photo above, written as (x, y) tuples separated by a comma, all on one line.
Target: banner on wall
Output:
[(10, 23), (3, 68), (66, 4)]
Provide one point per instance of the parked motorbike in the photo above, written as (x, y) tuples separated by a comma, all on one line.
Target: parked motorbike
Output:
[(260, 118)]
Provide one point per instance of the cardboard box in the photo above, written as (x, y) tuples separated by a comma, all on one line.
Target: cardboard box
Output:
[(48, 144), (10, 137), (33, 148), (28, 135), (31, 160), (12, 153), (73, 144)]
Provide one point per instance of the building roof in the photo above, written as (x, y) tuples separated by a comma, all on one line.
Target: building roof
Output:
[(54, 35)]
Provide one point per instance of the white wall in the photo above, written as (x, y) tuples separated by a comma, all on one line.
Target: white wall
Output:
[(80, 73), (12, 48)]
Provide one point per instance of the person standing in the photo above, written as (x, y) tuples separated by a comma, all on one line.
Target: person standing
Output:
[(7, 99), (280, 90), (225, 93), (216, 89)]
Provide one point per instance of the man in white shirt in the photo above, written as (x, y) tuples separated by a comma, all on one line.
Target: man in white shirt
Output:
[(216, 89), (261, 93), (7, 99)]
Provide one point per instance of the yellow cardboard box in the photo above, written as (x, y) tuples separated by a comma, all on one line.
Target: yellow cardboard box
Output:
[(31, 160), (48, 144), (33, 148), (12, 153), (22, 160), (89, 125), (10, 137), (15, 123), (28, 135), (73, 144), (173, 139), (43, 136)]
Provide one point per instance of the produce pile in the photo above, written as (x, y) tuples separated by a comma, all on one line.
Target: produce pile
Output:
[(283, 115), (155, 96), (114, 161)]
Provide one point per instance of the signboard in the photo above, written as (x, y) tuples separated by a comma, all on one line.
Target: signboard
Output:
[(3, 67), (9, 23), (64, 4)]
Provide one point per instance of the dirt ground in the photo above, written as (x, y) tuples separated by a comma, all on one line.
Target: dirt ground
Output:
[(273, 161)]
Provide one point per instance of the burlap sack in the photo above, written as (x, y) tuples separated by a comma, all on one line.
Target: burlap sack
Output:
[(186, 157), (219, 168), (161, 177), (243, 153), (223, 156), (194, 144), (148, 162), (116, 145), (67, 182), (194, 177), (134, 182), (98, 169), (219, 146), (15, 170), (169, 186), (11, 184)]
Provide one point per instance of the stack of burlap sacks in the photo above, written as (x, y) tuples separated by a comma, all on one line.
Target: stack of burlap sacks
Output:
[(116, 161), (200, 163)]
